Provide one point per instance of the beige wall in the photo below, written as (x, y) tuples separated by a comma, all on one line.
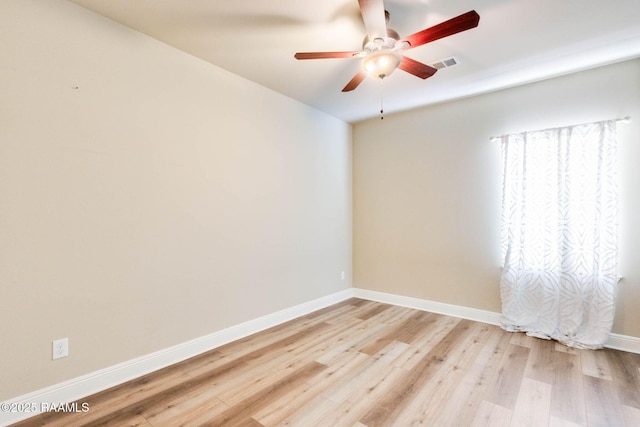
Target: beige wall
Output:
[(162, 200), (427, 188)]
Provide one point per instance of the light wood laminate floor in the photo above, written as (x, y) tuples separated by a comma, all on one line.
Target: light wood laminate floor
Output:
[(363, 363)]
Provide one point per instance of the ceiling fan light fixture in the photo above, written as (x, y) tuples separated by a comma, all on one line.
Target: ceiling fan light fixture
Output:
[(381, 63)]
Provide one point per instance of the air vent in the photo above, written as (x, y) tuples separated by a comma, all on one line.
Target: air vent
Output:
[(446, 63)]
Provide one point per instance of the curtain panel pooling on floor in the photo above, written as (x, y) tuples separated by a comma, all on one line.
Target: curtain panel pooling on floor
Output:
[(559, 233)]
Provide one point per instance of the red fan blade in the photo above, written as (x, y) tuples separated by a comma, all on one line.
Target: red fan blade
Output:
[(464, 22), (374, 18), (416, 68), (355, 81), (324, 55)]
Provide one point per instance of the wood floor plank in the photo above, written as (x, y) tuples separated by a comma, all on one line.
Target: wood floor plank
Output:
[(625, 373), (492, 415), (559, 422), (262, 339), (414, 327), (340, 367), (302, 400), (398, 398), (301, 403), (366, 378), (278, 364), (540, 364), (432, 332), (595, 364), (375, 310), (363, 397), (256, 346), (191, 408), (429, 406), (566, 349), (567, 397), (336, 335), (134, 421), (405, 331), (356, 337), (346, 345), (366, 364), (134, 394), (603, 407), (333, 310), (355, 313), (243, 384), (136, 400), (631, 416), (473, 388), (533, 405), (311, 414), (328, 314), (508, 378), (241, 413), (522, 339), (394, 315)]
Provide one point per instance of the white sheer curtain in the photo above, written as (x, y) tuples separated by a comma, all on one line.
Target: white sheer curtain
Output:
[(560, 233)]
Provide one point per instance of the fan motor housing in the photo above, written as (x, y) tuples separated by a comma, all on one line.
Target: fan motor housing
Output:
[(388, 42)]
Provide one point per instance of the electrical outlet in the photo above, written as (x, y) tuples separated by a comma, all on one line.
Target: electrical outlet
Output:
[(342, 276), (60, 348)]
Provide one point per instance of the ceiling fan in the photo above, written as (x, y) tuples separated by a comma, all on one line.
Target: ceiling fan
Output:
[(382, 46)]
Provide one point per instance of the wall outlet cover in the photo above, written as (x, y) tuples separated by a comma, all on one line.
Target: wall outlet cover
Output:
[(60, 348)]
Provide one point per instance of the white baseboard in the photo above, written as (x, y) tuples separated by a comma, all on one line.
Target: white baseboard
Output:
[(483, 316), (103, 379), (624, 343), (616, 341)]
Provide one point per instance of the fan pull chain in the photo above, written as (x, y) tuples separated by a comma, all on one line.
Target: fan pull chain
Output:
[(381, 99)]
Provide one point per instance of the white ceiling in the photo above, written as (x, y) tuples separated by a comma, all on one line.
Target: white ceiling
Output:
[(517, 41)]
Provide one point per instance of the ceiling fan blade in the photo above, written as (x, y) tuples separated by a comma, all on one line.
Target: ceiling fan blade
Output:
[(374, 18), (464, 22), (416, 68), (355, 81), (324, 55)]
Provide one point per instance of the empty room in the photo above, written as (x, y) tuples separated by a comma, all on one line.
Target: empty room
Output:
[(335, 213)]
